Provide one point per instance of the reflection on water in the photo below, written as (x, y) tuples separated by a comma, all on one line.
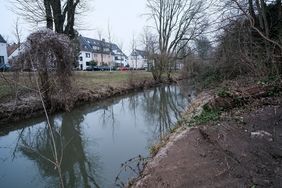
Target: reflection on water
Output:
[(92, 141)]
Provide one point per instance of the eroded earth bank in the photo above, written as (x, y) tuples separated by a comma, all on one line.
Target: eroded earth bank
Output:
[(242, 148)]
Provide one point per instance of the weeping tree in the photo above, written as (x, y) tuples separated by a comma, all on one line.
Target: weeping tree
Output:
[(49, 52), (177, 23), (50, 56)]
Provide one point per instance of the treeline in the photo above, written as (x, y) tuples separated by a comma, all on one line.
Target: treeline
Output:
[(214, 39)]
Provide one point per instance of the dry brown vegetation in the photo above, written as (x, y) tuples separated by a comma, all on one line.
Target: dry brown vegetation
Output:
[(247, 43)]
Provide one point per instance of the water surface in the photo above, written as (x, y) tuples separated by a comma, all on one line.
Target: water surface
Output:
[(93, 140)]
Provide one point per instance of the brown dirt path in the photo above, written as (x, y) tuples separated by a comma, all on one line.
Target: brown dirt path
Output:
[(233, 153)]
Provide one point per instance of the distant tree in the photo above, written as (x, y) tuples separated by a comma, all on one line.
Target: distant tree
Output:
[(150, 45), (76, 48), (176, 22), (110, 46), (93, 64), (134, 55), (203, 47), (102, 45)]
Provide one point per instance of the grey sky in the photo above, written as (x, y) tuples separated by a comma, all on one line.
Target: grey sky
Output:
[(125, 18)]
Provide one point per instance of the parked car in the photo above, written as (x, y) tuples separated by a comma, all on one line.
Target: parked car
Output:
[(96, 68), (5, 67), (105, 68), (93, 68), (123, 69), (89, 68)]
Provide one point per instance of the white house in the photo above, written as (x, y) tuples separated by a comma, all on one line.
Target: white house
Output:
[(3, 51), (137, 59), (101, 52)]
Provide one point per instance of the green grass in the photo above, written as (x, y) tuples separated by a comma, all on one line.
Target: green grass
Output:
[(207, 115), (96, 80), (223, 92), (88, 80)]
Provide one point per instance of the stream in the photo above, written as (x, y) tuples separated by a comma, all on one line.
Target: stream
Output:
[(92, 141)]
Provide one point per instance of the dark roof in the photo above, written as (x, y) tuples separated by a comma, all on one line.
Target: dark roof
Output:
[(136, 52), (2, 39), (98, 46), (11, 48)]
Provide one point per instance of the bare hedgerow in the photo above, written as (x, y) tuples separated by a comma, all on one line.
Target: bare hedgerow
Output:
[(50, 56)]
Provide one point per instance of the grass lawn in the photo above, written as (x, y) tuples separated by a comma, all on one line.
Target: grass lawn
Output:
[(95, 80), (90, 80)]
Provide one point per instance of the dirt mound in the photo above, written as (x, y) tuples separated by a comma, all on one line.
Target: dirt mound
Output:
[(234, 153)]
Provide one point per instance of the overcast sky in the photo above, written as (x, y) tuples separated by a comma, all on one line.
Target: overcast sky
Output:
[(125, 18)]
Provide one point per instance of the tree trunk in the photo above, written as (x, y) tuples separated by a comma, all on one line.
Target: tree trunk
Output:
[(279, 9), (251, 9), (48, 11), (58, 17), (264, 16), (259, 15), (70, 19)]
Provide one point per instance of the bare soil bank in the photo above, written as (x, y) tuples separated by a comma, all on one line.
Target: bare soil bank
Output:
[(243, 149), (30, 106)]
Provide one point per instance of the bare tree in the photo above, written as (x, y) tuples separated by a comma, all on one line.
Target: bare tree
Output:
[(176, 22), (100, 33), (58, 15), (150, 45), (263, 16), (110, 46), (18, 36), (120, 44), (101, 44), (252, 36), (134, 54), (18, 32)]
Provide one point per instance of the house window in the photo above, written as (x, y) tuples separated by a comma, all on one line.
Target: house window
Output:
[(87, 63), (2, 60), (87, 55), (80, 58), (96, 47)]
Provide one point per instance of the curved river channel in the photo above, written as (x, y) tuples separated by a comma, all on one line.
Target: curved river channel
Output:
[(92, 141)]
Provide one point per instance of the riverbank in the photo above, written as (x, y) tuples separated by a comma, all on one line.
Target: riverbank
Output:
[(230, 137), (89, 87)]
